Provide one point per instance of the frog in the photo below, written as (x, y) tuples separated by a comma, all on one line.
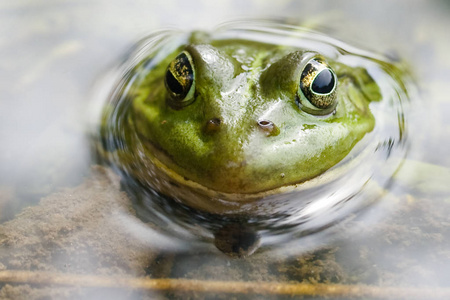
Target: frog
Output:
[(221, 123)]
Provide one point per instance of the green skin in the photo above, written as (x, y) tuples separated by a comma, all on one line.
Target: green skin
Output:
[(241, 83)]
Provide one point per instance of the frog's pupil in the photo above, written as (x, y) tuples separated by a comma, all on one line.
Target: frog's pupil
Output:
[(324, 82), (179, 77), (173, 84)]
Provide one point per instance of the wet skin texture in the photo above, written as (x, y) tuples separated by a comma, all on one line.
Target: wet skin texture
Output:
[(245, 117)]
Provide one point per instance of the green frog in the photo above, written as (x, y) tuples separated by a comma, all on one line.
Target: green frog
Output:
[(221, 123)]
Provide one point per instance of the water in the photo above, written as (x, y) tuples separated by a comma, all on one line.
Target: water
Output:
[(54, 65), (283, 219)]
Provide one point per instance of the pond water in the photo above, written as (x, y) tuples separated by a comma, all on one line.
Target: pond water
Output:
[(64, 219)]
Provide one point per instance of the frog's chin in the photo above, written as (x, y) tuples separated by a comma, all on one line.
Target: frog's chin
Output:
[(168, 182)]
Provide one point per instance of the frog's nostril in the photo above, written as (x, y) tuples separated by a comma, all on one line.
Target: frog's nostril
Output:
[(268, 127), (212, 125)]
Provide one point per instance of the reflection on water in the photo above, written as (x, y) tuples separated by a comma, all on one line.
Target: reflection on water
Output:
[(303, 214)]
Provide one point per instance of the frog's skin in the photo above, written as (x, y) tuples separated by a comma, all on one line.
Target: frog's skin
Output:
[(243, 133)]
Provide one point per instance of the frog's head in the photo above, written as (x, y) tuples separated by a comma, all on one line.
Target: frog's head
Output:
[(245, 117)]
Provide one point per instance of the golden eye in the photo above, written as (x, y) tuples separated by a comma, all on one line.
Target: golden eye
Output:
[(180, 80), (317, 88)]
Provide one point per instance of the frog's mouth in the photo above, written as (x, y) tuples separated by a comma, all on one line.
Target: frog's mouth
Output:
[(169, 182)]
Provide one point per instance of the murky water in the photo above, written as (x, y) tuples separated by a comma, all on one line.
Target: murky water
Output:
[(385, 227)]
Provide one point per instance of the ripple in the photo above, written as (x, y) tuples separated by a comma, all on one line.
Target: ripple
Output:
[(300, 217)]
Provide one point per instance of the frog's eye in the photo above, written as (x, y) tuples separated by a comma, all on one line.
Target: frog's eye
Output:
[(317, 88), (180, 80)]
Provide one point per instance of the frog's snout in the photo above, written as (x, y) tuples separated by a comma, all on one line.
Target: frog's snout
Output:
[(268, 127), (213, 125)]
